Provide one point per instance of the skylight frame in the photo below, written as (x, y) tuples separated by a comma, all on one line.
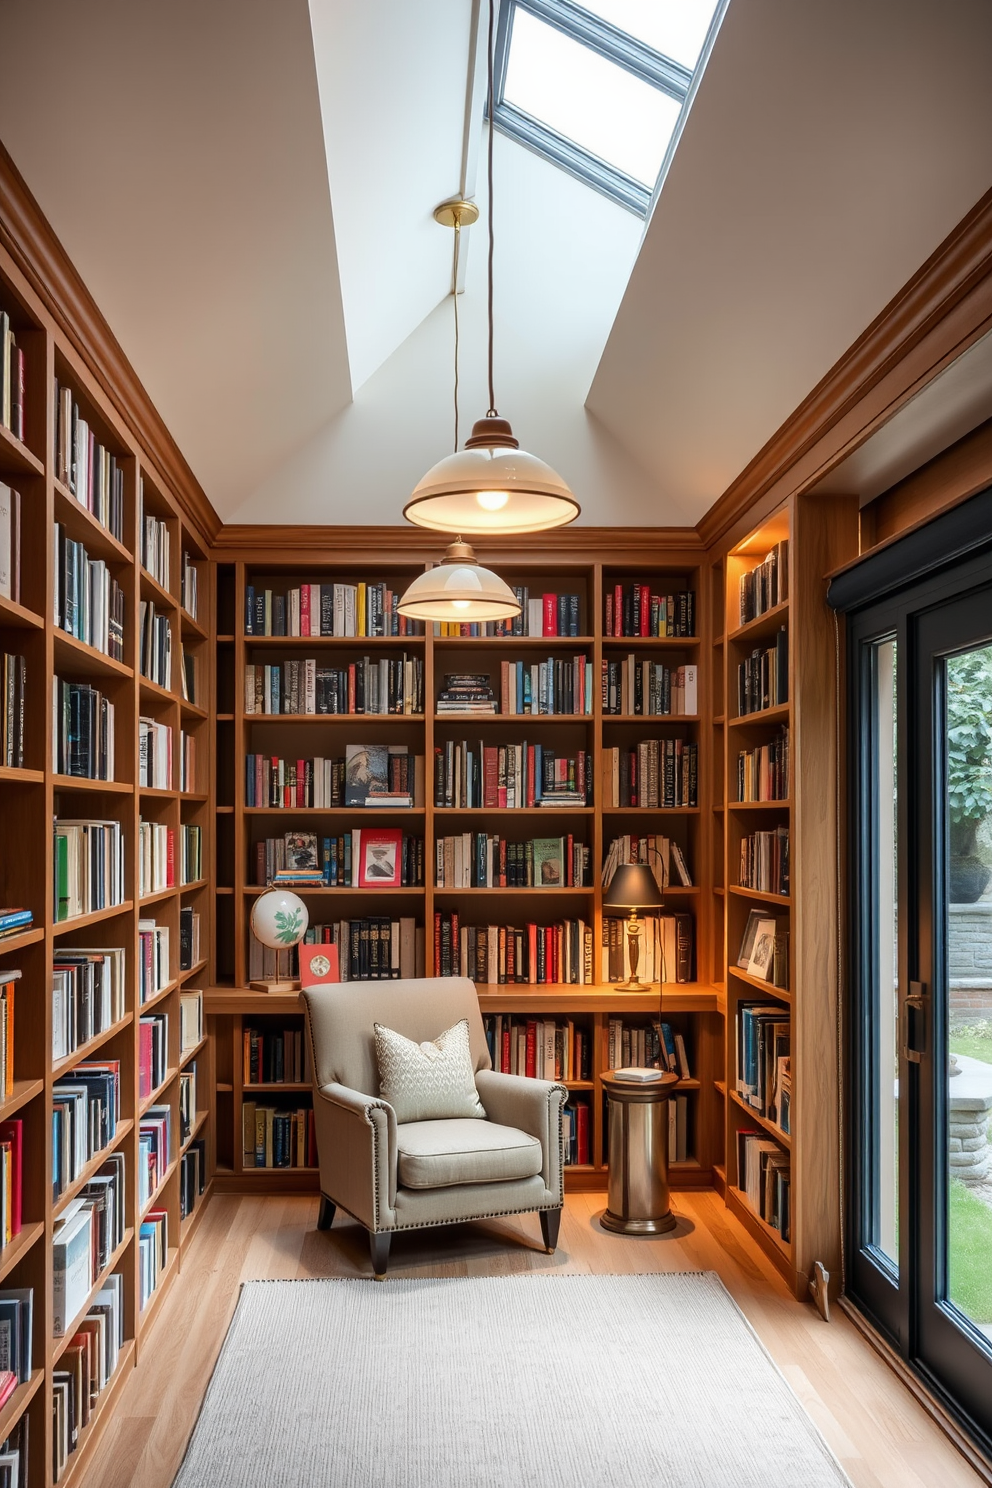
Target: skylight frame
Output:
[(616, 46)]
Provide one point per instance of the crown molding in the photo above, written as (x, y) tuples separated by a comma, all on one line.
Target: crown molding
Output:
[(959, 266), (27, 236), (415, 545)]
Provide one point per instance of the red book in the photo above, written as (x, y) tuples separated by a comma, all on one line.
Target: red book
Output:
[(13, 1132), (8, 1384), (532, 953), (645, 609), (502, 863), (531, 767), (381, 858), (437, 944), (351, 688), (490, 776), (582, 1132), (505, 1051), (144, 1060), (550, 615), (618, 610), (304, 609), (504, 687), (318, 965), (511, 956), (530, 1069), (301, 776)]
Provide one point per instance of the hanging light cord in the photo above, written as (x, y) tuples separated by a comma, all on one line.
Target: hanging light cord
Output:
[(489, 166), (454, 296)]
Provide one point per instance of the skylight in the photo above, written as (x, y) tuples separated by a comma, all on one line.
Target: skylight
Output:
[(599, 91)]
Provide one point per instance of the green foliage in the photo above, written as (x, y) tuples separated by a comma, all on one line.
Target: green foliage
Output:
[(289, 926), (969, 745), (969, 1255)]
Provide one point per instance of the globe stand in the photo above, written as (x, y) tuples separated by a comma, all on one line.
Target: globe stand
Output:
[(278, 984)]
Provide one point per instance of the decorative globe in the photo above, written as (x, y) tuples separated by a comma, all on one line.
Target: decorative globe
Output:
[(279, 919)]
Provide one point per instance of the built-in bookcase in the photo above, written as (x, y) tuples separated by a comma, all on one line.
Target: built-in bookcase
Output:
[(581, 645), (774, 667), (97, 777)]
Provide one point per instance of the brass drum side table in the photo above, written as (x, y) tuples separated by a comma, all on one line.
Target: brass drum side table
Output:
[(637, 1198)]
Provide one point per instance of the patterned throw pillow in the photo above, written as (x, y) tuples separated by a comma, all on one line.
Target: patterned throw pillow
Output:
[(428, 1082)]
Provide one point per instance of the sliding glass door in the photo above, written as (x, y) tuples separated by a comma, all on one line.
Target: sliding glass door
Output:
[(920, 1068)]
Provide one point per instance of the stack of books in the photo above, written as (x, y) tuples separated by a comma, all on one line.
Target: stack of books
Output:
[(82, 731), (467, 692), (14, 922), (480, 860), (87, 468), (89, 602), (87, 995)]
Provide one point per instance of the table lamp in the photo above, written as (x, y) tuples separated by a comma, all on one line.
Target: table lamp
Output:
[(279, 920), (633, 887)]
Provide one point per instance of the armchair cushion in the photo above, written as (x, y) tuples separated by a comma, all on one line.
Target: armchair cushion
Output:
[(430, 1081), (440, 1154)]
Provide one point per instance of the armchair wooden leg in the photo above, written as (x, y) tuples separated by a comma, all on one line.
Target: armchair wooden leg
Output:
[(379, 1249), (550, 1225), (325, 1215)]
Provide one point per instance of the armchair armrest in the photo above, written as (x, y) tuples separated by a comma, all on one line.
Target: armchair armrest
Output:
[(356, 1148), (534, 1107)]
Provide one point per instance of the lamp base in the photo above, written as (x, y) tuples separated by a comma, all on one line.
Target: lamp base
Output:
[(634, 985), (276, 985)]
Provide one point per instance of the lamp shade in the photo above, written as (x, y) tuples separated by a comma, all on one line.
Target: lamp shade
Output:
[(633, 886), (491, 486), (459, 589), (279, 919)]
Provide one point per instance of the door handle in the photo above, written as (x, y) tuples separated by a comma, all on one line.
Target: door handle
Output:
[(914, 1022)]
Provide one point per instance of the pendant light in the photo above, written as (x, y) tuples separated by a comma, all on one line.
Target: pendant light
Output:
[(492, 486)]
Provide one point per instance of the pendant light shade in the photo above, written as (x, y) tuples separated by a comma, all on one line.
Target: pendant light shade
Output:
[(491, 486), (459, 589)]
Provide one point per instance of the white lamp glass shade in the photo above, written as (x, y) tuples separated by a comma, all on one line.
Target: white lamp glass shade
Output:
[(462, 493), (459, 591), (279, 919)]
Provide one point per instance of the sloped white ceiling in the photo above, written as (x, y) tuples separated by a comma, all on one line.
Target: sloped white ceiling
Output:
[(177, 151), (832, 145)]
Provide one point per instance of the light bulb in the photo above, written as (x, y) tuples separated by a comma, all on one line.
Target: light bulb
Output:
[(461, 604), (492, 500)]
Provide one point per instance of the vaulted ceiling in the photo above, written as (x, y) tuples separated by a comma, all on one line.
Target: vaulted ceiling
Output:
[(247, 189)]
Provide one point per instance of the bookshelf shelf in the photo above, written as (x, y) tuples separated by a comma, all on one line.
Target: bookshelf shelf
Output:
[(155, 1098), (650, 810), (324, 890), (19, 1402), (64, 783), (192, 710), (62, 1067), (17, 775), (100, 1410), (354, 720), (780, 994), (782, 805), (124, 1127), (155, 691), (192, 628), (651, 643), (158, 896), (82, 526), (76, 657), (332, 643), (152, 589), (154, 1201), (762, 625), (193, 885), (187, 1056), (195, 1130), (17, 615), (783, 900), (23, 1091), (20, 942), (522, 720), (15, 457), (504, 644), (783, 1138), (780, 713), (650, 719), (96, 917), (12, 1254), (61, 1344), (166, 1277), (159, 996)]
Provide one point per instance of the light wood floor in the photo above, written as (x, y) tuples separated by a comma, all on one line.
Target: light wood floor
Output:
[(882, 1437)]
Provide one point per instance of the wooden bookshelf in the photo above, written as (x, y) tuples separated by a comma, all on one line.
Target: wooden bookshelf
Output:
[(693, 1008), (31, 797), (821, 533)]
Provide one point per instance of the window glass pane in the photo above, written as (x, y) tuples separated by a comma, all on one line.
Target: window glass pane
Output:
[(589, 100), (885, 1095), (676, 28), (968, 979)]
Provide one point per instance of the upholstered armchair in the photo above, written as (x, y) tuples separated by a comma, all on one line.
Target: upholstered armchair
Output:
[(392, 1175)]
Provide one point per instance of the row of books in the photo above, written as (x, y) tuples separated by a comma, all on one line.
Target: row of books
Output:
[(653, 773), (764, 862), (391, 685), (549, 614), (763, 677), (156, 857), (16, 1346), (9, 978), (764, 1176), (192, 1177), (83, 721), (327, 610), (86, 1108), (187, 1102), (154, 1151), (189, 937), (654, 1045), (763, 772), (154, 754), (765, 586), (366, 858), (373, 948), (549, 687), (649, 688), (13, 379), (278, 1139), (10, 543), (89, 867), (764, 1070), (153, 1254), (14, 682), (86, 467), (658, 853), (667, 949), (153, 959), (85, 1369), (633, 610), (87, 995), (481, 860), (369, 775), (89, 602), (541, 1049), (155, 645), (153, 1052), (576, 1133), (531, 954), (154, 541), (275, 1056), (87, 1233), (188, 586), (764, 949), (509, 776)]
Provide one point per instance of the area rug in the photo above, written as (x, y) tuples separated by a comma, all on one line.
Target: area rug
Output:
[(500, 1382)]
